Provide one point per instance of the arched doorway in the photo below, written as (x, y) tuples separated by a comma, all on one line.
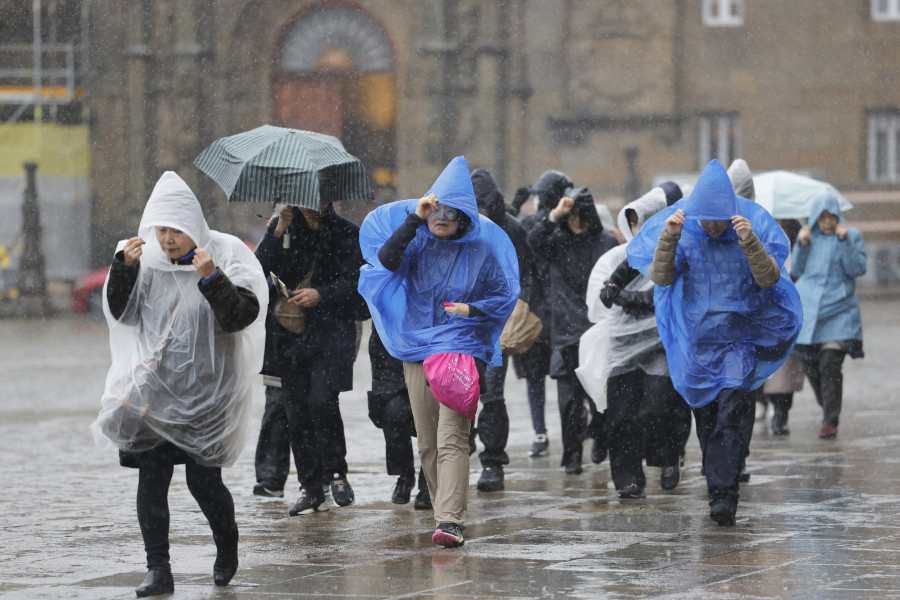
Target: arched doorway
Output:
[(335, 74)]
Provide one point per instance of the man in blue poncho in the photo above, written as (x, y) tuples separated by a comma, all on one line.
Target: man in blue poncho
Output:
[(440, 279), (727, 314)]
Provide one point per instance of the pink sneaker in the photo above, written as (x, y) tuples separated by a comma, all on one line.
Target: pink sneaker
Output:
[(828, 431), (448, 535)]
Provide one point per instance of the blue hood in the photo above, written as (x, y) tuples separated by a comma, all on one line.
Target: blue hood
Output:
[(453, 187), (712, 199), (824, 202)]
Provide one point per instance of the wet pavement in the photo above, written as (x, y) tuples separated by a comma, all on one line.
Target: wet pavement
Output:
[(818, 518)]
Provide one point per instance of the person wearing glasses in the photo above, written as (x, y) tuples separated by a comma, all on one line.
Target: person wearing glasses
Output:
[(440, 279)]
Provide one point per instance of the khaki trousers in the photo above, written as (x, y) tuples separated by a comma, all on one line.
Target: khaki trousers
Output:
[(443, 439)]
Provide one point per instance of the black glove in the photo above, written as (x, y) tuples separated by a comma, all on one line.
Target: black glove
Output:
[(521, 196), (608, 293), (636, 304)]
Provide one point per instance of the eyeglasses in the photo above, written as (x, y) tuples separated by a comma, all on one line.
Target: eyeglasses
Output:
[(445, 212)]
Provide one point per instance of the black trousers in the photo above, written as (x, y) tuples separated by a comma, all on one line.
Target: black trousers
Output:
[(720, 430), (827, 381), (273, 448), (315, 425), (493, 420), (646, 418), (575, 410), (205, 485), (392, 413)]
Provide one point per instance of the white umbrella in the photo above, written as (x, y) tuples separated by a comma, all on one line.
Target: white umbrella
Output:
[(788, 195)]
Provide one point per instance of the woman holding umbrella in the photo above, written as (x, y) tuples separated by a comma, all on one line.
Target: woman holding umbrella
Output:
[(186, 334)]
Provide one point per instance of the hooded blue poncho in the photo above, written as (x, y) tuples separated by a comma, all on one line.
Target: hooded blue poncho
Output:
[(719, 328), (827, 269), (480, 269)]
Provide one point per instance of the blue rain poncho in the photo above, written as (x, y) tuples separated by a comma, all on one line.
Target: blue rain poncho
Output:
[(480, 269), (827, 269), (719, 328)]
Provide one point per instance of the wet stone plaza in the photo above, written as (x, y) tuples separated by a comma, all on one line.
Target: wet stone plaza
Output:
[(818, 519)]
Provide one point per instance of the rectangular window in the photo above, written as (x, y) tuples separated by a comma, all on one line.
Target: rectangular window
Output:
[(725, 13), (883, 147), (719, 138), (886, 10)]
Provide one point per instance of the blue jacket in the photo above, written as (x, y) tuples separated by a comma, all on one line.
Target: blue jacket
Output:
[(480, 269), (827, 269), (719, 328)]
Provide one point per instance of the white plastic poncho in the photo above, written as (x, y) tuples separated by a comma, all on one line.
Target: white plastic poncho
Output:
[(176, 375), (618, 340)]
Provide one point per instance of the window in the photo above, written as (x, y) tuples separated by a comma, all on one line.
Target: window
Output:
[(883, 154), (886, 10), (719, 138), (726, 13)]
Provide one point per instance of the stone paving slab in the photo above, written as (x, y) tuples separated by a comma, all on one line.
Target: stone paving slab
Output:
[(819, 519)]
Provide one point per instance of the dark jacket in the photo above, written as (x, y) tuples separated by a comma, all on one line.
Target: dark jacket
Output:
[(488, 196), (332, 253), (570, 259)]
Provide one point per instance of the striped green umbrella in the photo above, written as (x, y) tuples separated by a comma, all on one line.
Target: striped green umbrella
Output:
[(276, 165)]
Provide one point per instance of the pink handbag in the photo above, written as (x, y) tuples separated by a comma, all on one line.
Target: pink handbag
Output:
[(454, 381)]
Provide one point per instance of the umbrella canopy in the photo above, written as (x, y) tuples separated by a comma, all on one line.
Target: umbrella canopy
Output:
[(788, 195), (276, 165)]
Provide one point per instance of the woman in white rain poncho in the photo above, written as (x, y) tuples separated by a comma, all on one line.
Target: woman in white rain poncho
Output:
[(186, 335), (622, 364)]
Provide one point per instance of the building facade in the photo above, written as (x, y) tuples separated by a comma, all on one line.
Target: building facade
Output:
[(617, 93)]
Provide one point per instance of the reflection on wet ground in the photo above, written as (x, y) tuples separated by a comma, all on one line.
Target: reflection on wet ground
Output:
[(818, 518)]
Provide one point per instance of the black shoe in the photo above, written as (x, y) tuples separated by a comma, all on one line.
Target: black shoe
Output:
[(403, 489), (722, 511), (540, 446), (260, 489), (744, 477), (341, 492), (670, 477), (632, 490), (158, 581), (574, 467), (307, 505), (598, 452), (491, 479), (225, 566), (448, 535), (423, 499)]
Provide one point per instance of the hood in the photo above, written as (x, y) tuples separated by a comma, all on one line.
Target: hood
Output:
[(550, 187), (646, 206), (586, 209), (606, 218), (742, 179), (173, 204), (673, 192), (453, 187), (487, 194), (824, 202), (712, 197)]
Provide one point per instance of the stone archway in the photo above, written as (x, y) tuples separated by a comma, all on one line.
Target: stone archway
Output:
[(334, 73)]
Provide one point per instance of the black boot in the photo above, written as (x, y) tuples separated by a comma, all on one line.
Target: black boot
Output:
[(832, 384), (158, 581), (226, 559), (779, 421)]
